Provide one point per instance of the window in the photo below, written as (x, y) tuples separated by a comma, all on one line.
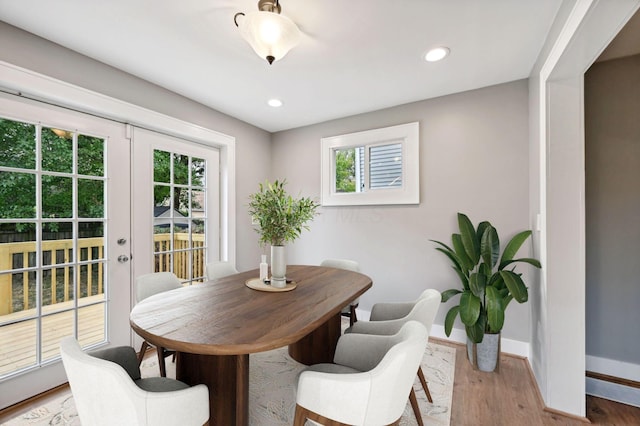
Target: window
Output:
[(179, 212), (372, 167)]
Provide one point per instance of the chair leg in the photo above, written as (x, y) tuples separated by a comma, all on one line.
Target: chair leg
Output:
[(302, 414), (143, 350), (424, 385), (300, 417), (414, 405), (163, 368)]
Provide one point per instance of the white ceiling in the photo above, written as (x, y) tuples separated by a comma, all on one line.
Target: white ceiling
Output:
[(356, 56)]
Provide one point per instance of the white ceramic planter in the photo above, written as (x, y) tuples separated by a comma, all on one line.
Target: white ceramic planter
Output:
[(278, 267), (487, 352)]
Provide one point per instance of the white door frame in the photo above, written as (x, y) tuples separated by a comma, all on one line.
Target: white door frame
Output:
[(557, 144)]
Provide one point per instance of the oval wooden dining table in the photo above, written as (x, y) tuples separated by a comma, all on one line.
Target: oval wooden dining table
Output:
[(214, 327)]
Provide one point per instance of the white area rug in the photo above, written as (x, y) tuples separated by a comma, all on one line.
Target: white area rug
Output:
[(271, 395)]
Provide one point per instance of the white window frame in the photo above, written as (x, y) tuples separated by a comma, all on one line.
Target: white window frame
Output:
[(409, 193)]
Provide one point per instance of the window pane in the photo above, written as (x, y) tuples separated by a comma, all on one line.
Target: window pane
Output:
[(18, 195), (90, 156), (180, 169), (161, 166), (10, 359), (54, 328), (57, 287), (91, 324), (57, 150), (198, 172), (163, 262), (181, 201), (17, 144), (161, 201), (345, 170), (88, 283), (197, 262), (385, 166), (93, 230), (23, 286), (197, 203), (181, 262), (56, 197), (57, 243), (90, 198)]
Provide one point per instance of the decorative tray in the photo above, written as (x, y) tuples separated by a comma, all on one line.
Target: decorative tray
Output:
[(258, 284)]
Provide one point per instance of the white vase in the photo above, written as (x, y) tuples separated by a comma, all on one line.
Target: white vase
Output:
[(278, 267)]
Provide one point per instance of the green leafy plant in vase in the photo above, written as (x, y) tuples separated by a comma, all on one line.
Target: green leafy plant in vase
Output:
[(489, 282), (279, 218)]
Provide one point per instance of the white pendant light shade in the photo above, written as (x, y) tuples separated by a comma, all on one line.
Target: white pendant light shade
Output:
[(271, 35)]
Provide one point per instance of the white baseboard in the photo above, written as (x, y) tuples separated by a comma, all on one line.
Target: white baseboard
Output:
[(613, 391), (612, 367), (514, 347)]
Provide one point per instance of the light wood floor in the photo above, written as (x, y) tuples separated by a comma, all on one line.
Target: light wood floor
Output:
[(510, 398), (507, 398)]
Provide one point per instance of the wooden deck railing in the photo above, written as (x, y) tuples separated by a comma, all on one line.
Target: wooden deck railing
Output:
[(14, 254), (181, 253)]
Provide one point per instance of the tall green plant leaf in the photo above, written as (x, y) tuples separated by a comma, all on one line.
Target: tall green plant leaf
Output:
[(469, 308), (490, 246), (458, 246), (530, 261), (482, 226), (475, 332), (450, 319), (477, 283), (515, 285), (448, 294), (450, 254), (514, 245), (470, 240), (495, 310)]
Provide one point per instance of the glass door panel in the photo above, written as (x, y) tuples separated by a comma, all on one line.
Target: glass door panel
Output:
[(60, 214), (176, 207)]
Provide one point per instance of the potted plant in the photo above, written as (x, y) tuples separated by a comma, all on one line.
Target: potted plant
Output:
[(279, 219), (489, 284)]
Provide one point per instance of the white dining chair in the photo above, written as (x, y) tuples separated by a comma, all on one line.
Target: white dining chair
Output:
[(108, 390), (388, 318), (349, 265), (148, 285), (216, 270), (367, 384)]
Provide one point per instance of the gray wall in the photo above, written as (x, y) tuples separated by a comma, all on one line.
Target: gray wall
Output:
[(612, 137), (253, 145), (473, 159)]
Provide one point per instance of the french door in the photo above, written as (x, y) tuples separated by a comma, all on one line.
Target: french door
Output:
[(64, 240), (176, 214)]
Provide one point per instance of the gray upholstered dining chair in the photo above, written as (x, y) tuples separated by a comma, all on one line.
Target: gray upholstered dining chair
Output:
[(367, 384), (349, 265), (108, 390), (388, 318), (215, 270), (148, 285)]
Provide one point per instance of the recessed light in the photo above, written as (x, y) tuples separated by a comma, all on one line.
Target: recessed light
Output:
[(436, 54), (274, 103)]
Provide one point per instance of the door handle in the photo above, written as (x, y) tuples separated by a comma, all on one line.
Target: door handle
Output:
[(123, 258)]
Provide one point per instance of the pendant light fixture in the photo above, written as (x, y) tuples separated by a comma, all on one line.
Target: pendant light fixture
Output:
[(270, 34)]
